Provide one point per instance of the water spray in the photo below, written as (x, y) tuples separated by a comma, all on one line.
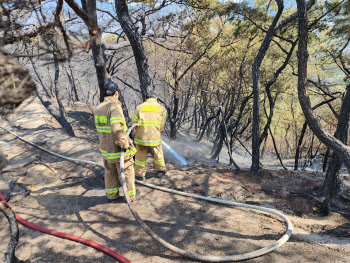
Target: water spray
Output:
[(182, 160)]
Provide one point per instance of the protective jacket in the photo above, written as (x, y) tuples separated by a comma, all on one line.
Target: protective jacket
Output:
[(150, 117), (111, 126)]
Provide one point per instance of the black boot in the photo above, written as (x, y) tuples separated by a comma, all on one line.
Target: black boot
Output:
[(159, 174), (116, 200), (140, 178)]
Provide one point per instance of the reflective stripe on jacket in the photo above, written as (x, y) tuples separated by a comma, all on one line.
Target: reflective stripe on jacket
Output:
[(150, 117), (111, 128)]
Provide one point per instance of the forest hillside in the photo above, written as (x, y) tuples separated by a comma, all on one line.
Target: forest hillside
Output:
[(253, 94), (69, 197)]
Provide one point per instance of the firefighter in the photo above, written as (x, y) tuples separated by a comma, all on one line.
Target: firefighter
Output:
[(111, 128), (150, 117)]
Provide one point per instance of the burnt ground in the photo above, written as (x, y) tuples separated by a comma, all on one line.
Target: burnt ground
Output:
[(70, 198)]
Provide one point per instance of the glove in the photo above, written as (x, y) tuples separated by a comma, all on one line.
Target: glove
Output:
[(123, 144), (131, 146)]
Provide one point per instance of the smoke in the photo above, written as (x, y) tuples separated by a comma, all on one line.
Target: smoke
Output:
[(182, 160), (193, 152)]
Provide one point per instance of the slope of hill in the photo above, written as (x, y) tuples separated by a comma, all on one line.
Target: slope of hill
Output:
[(70, 198)]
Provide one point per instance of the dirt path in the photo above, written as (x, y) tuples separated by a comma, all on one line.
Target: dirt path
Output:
[(70, 198)]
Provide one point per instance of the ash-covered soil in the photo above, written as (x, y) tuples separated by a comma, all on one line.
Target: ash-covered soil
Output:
[(70, 198)]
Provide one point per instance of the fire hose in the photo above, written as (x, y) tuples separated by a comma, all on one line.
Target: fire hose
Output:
[(67, 236), (195, 256)]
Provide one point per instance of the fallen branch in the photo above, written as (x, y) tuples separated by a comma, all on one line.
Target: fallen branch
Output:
[(10, 256), (12, 186), (26, 190), (38, 159)]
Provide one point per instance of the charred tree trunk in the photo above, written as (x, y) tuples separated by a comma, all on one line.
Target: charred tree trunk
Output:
[(336, 145), (256, 88), (73, 86), (172, 127), (272, 137), (216, 140), (173, 116), (272, 101), (99, 62), (195, 114), (331, 183), (300, 141), (256, 76), (286, 139), (264, 147), (325, 160), (224, 127), (302, 134), (89, 6), (125, 109), (57, 114), (134, 37), (276, 150), (218, 145), (47, 92), (201, 134), (10, 256), (60, 117), (57, 90), (89, 15)]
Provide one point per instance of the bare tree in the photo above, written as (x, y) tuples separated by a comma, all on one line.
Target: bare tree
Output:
[(331, 182), (276, 25), (134, 37), (337, 145), (61, 116), (88, 13), (256, 87), (71, 78)]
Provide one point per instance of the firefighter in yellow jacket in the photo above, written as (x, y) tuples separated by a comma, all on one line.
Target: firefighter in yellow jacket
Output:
[(150, 117), (111, 127)]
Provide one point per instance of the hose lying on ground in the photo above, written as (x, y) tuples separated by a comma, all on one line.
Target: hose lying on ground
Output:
[(203, 258), (70, 237)]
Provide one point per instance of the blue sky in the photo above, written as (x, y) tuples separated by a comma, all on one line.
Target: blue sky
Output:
[(110, 4), (171, 8)]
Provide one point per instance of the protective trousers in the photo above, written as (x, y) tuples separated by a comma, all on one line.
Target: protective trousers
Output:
[(112, 173), (141, 159)]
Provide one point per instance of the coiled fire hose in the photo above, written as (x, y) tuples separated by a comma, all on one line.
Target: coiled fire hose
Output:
[(195, 256)]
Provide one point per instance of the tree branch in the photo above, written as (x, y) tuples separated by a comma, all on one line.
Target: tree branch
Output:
[(32, 34), (93, 29), (293, 16), (14, 232)]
